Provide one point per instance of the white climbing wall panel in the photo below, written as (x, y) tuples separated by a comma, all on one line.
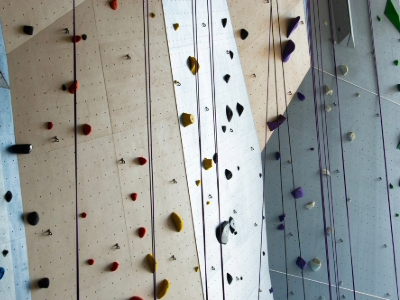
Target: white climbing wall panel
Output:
[(238, 151)]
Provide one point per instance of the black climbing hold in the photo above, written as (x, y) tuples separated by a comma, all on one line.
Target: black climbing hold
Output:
[(64, 87), (28, 30), (271, 290), (222, 232), (235, 233), (33, 218), (232, 225), (263, 253), (231, 54), (223, 128), (229, 113), (215, 158), (293, 25), (2, 272), (241, 278), (5, 252), (20, 149), (238, 168), (228, 174), (44, 283), (277, 156), (227, 77), (84, 37), (229, 278), (260, 175), (282, 217), (224, 21), (244, 34), (8, 196), (239, 109)]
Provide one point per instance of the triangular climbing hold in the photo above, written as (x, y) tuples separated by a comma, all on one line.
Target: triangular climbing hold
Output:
[(198, 182), (163, 289), (289, 49), (392, 14), (176, 26), (293, 26), (391, 186), (325, 172), (229, 113), (301, 263), (328, 90), (222, 232), (344, 69), (275, 124), (227, 77), (239, 108), (281, 227), (224, 22), (229, 278), (244, 34), (74, 87), (193, 65), (327, 108), (223, 128), (298, 193), (282, 217), (177, 221), (228, 174), (114, 4), (301, 96), (152, 263)]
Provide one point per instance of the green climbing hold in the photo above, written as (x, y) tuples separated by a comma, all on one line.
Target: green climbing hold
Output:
[(398, 87), (379, 18), (396, 62), (392, 14), (397, 215), (391, 186), (398, 146)]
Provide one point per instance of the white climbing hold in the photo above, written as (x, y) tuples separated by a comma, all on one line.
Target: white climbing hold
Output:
[(330, 230), (358, 95), (328, 90), (327, 108), (344, 69), (326, 172), (315, 264), (310, 205), (351, 136)]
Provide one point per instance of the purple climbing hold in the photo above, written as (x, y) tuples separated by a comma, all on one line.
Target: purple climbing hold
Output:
[(293, 26), (301, 96), (281, 227), (277, 156), (289, 49), (275, 124), (301, 263), (282, 217), (298, 193), (271, 290)]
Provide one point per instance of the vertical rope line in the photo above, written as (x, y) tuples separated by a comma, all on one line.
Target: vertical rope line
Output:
[(309, 27), (383, 146)]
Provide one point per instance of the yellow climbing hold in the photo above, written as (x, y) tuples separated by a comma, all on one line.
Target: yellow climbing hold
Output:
[(208, 202), (197, 269), (164, 288), (152, 263), (178, 221), (193, 65), (207, 163), (176, 26), (198, 182), (188, 119), (153, 15)]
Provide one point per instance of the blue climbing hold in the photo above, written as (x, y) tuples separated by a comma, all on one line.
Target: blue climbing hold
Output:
[(277, 156), (301, 263), (282, 217), (275, 124), (289, 49), (271, 290), (281, 227), (301, 96), (298, 193), (2, 271), (293, 25)]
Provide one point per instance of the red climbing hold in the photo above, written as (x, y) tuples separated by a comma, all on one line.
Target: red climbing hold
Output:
[(142, 232), (136, 298), (50, 125), (114, 4), (84, 215), (74, 87), (114, 266), (142, 161), (87, 129), (134, 196), (76, 39), (90, 262)]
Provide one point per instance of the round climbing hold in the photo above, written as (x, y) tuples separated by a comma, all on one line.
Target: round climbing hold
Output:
[(142, 232), (84, 37), (33, 218), (84, 215), (76, 39), (86, 129), (315, 264), (351, 136), (114, 266), (90, 261), (142, 160), (136, 298), (74, 87), (5, 252), (8, 196), (2, 272), (114, 4), (44, 283), (50, 125), (397, 215), (244, 34), (301, 96), (134, 196), (64, 87), (208, 202), (153, 15)]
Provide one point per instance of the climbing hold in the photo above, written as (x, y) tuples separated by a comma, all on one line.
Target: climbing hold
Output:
[(344, 69), (114, 266), (164, 288), (84, 215), (231, 54), (193, 65), (327, 108), (134, 196), (301, 263), (142, 160), (228, 174), (215, 158), (396, 62), (379, 18), (207, 163), (397, 215), (44, 283), (328, 90), (282, 217), (74, 87), (244, 34), (178, 221), (20, 148), (136, 298), (2, 272), (86, 129), (152, 263), (239, 109), (232, 225), (222, 232), (293, 25), (176, 26), (8, 196), (398, 87), (114, 4), (187, 119), (223, 128), (391, 186), (329, 231), (90, 262), (208, 202), (298, 193), (392, 14), (5, 252), (64, 87), (153, 15), (351, 136), (277, 155), (271, 290), (358, 95), (315, 264), (281, 227), (28, 30), (275, 124), (301, 96), (76, 39), (50, 125), (33, 218), (229, 278), (84, 37), (198, 182), (325, 172), (224, 21), (310, 205), (197, 269), (229, 113), (227, 77), (289, 49), (142, 232)]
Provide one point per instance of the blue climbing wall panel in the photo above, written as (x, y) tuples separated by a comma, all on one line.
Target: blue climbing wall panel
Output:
[(15, 284)]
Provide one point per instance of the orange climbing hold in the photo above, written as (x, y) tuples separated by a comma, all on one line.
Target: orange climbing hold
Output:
[(114, 266), (136, 298), (90, 262), (114, 4), (50, 125), (76, 39), (142, 161), (74, 87), (134, 196), (87, 129), (84, 215), (142, 232)]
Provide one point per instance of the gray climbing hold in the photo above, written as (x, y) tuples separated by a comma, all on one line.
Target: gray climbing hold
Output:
[(293, 26), (301, 96), (8, 196), (222, 232), (310, 205), (289, 49), (227, 77), (229, 113), (2, 272), (239, 109), (327, 108), (344, 69), (244, 34), (328, 90), (228, 174), (44, 283), (351, 136), (33, 218), (232, 225), (298, 193), (28, 30), (229, 278)]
